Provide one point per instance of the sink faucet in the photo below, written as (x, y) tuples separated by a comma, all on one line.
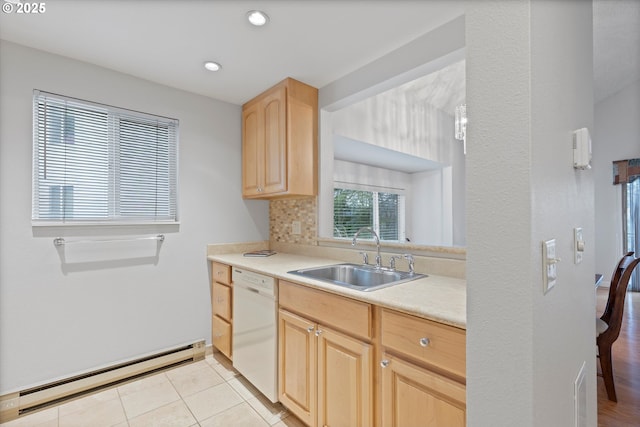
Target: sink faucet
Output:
[(409, 258), (355, 236)]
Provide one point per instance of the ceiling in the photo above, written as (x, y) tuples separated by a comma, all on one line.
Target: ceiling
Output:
[(315, 41), (167, 42)]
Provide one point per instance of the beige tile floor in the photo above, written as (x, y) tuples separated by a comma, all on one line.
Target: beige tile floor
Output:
[(208, 393)]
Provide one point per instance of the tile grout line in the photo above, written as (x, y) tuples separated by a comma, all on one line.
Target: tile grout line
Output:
[(124, 411)]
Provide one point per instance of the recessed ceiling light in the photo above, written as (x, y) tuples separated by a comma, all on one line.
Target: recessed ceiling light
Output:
[(212, 66), (257, 18)]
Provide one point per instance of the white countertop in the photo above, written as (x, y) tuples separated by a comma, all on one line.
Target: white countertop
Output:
[(439, 298)]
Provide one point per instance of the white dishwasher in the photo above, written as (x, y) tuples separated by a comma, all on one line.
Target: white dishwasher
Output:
[(255, 330)]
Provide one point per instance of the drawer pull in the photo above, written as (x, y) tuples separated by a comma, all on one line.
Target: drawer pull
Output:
[(318, 332), (310, 329), (424, 342), (384, 363)]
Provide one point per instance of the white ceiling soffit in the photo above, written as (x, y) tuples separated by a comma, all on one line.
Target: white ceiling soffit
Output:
[(354, 151), (167, 42)]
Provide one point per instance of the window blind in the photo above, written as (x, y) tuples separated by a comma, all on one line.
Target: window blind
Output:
[(98, 163), (354, 209)]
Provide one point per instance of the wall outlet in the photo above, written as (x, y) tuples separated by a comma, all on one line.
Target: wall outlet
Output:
[(296, 227)]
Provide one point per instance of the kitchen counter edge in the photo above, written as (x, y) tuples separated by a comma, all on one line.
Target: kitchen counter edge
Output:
[(438, 298)]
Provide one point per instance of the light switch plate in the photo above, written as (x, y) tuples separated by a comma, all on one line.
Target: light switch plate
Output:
[(549, 261), (578, 245)]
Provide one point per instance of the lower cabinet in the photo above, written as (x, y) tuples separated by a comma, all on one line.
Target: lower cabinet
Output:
[(413, 396), (326, 376), (298, 349), (422, 372), (221, 308)]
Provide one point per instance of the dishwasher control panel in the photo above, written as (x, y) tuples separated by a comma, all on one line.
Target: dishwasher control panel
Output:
[(264, 283)]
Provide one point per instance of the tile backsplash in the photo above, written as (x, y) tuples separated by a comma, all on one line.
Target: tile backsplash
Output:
[(282, 214)]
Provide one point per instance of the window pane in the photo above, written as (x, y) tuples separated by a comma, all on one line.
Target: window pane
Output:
[(72, 152), (352, 209), (388, 216), (144, 169)]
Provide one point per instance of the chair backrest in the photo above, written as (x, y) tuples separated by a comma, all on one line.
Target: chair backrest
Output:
[(615, 278), (616, 301)]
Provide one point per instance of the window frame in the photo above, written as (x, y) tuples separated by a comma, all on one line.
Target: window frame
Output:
[(169, 206)]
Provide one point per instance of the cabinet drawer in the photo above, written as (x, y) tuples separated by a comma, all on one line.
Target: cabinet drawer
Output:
[(221, 301), (340, 312), (221, 273), (221, 335), (439, 345)]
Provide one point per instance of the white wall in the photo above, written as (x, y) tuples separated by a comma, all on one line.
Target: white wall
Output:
[(616, 136), (529, 85), (431, 215), (57, 319)]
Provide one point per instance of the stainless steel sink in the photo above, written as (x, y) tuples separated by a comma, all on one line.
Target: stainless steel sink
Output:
[(361, 277)]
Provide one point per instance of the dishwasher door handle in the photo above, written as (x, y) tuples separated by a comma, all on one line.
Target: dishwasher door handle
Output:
[(248, 287)]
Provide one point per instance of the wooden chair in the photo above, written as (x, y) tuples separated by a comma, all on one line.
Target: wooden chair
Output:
[(608, 325)]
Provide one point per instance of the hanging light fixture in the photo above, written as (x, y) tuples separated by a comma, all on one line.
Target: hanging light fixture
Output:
[(461, 125)]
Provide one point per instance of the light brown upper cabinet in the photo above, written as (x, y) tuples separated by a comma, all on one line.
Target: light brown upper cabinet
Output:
[(280, 142)]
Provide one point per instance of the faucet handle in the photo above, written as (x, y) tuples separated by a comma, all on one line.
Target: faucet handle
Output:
[(365, 258), (409, 258), (392, 261)]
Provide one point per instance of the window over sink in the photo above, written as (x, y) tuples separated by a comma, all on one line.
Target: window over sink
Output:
[(383, 211)]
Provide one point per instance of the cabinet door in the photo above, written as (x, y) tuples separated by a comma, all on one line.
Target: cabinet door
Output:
[(252, 150), (221, 301), (275, 143), (297, 366), (345, 392), (412, 396)]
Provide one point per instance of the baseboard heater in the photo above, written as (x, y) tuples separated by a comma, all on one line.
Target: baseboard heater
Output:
[(33, 399)]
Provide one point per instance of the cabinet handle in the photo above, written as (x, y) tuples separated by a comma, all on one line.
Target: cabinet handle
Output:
[(220, 273), (318, 332), (310, 329), (424, 342), (384, 363)]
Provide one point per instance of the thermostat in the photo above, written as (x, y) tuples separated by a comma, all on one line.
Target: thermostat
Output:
[(581, 149)]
